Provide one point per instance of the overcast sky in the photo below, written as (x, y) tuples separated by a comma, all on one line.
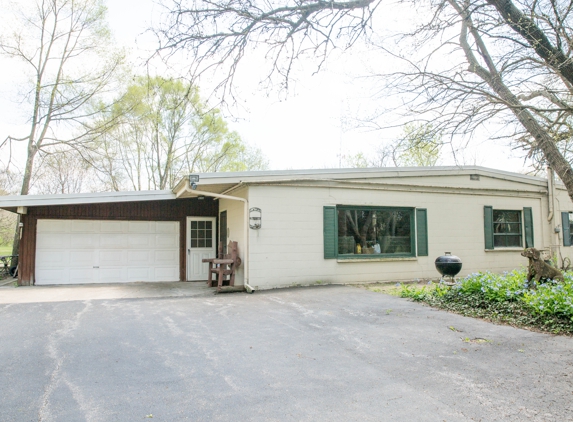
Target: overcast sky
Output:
[(311, 127)]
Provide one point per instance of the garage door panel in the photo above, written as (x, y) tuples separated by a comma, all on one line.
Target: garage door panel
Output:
[(83, 275), (140, 241), (112, 226), (53, 276), (112, 275), (166, 257), (83, 259), (53, 226), (139, 227), (139, 274), (50, 241), (166, 227), (51, 258), (165, 273), (112, 241), (94, 251), (84, 226), (112, 258), (138, 257), (166, 241), (84, 240)]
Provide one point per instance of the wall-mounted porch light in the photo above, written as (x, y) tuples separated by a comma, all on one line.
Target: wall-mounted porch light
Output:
[(255, 218), (193, 180)]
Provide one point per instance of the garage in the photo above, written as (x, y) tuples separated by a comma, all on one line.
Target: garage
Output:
[(106, 251)]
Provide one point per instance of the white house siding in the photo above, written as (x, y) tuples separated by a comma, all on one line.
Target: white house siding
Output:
[(235, 223), (562, 204), (288, 249)]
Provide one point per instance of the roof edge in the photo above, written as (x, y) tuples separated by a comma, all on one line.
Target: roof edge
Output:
[(13, 201), (355, 173)]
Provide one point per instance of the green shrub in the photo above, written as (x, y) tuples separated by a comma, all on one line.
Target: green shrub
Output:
[(495, 287), (503, 297), (552, 298), (415, 293)]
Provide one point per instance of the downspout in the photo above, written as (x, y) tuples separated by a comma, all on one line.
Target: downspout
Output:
[(245, 202), (556, 246), (550, 190)]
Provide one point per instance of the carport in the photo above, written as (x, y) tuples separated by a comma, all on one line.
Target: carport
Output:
[(111, 237)]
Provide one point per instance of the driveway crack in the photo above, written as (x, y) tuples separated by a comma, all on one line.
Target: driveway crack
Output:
[(68, 327)]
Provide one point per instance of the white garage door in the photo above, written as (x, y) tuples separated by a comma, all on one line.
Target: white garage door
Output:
[(94, 251)]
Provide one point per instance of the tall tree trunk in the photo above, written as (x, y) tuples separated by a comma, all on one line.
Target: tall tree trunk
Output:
[(24, 191)]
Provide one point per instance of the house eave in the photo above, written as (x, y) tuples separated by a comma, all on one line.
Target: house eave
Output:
[(218, 182), (11, 203)]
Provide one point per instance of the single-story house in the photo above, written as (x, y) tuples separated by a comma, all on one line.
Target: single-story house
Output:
[(295, 227)]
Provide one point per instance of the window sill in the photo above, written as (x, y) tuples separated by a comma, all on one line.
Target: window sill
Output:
[(409, 258), (504, 250)]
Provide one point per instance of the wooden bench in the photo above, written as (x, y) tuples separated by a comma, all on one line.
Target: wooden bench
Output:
[(224, 266)]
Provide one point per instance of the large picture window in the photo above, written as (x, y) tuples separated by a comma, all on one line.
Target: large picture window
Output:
[(367, 231)]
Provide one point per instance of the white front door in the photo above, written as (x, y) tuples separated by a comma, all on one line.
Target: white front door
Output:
[(200, 245)]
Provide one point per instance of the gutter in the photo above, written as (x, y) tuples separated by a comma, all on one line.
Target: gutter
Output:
[(187, 188)]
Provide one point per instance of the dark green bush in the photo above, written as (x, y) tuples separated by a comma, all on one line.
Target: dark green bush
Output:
[(505, 298)]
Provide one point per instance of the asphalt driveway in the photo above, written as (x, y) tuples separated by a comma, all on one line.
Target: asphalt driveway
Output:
[(308, 354)]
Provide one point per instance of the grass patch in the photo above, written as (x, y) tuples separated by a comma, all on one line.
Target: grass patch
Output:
[(387, 288), (503, 298), (5, 250)]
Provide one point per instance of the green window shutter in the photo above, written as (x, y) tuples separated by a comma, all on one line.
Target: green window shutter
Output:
[(488, 226), (566, 231), (329, 232), (528, 223), (422, 231)]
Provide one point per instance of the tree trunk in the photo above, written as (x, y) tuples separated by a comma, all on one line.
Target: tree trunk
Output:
[(492, 77), (24, 191)]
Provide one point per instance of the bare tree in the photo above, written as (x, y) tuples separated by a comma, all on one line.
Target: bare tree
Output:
[(512, 59), (61, 173), (54, 42), (7, 219), (419, 146), (65, 46)]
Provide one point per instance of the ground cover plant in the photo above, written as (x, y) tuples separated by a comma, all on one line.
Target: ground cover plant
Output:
[(504, 298)]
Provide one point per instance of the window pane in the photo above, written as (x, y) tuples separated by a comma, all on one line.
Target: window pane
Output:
[(193, 225), (506, 216), (208, 225), (201, 243), (374, 231), (507, 229), (513, 241), (208, 243), (193, 243), (507, 241)]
